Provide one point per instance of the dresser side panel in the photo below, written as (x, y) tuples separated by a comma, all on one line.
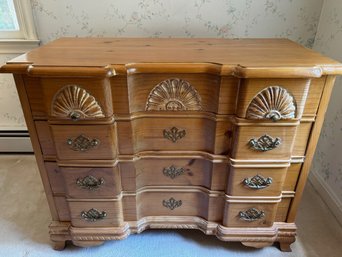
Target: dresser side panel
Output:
[(20, 83), (311, 147)]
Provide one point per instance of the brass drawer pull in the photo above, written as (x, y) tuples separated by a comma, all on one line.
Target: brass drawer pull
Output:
[(264, 143), (93, 215), (252, 214), (82, 143), (89, 182), (257, 182), (172, 203), (174, 134), (75, 115), (173, 172)]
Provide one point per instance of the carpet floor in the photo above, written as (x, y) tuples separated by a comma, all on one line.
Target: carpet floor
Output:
[(24, 219)]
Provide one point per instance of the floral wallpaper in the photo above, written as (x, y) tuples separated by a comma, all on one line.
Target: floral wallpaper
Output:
[(328, 162), (295, 19), (11, 115)]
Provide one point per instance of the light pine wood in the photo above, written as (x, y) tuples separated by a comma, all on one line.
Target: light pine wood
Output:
[(291, 176), (312, 143), (173, 119), (104, 134), (282, 210), (97, 88), (148, 134), (244, 132), (249, 88), (108, 180), (152, 171), (55, 177), (84, 52), (301, 138), (63, 211), (205, 86), (236, 186), (20, 84), (45, 139), (112, 208), (232, 210), (314, 96)]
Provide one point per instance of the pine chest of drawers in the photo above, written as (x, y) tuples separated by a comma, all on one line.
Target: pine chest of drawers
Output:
[(209, 134)]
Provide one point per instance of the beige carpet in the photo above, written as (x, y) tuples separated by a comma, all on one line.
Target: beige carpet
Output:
[(24, 218)]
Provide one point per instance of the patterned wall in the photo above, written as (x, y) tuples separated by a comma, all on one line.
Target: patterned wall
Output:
[(11, 115), (328, 162), (294, 19)]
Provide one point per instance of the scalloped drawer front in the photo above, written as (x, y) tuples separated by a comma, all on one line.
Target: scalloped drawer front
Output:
[(272, 99), (96, 213), (266, 141), (182, 203), (173, 134), (250, 214), (173, 92), (174, 172), (81, 182), (84, 142), (77, 98), (255, 181)]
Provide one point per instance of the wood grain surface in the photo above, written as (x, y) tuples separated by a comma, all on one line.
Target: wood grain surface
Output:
[(173, 120)]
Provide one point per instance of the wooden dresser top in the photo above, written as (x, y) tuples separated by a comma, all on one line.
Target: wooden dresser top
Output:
[(247, 53)]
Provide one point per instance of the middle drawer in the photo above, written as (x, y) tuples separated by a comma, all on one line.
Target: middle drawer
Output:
[(159, 170), (255, 140), (91, 182)]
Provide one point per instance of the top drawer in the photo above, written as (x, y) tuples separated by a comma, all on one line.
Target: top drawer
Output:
[(272, 99), (173, 87), (77, 98)]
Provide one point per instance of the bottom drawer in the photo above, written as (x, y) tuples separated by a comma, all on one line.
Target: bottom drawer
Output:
[(250, 214), (96, 213), (180, 202)]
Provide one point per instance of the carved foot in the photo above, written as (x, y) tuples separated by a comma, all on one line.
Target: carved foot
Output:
[(285, 245), (87, 243), (58, 245), (257, 244)]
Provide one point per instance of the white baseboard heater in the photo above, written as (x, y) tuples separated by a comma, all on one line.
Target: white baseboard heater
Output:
[(15, 141)]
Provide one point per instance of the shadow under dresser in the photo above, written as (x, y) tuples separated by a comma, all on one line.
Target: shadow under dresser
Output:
[(210, 134)]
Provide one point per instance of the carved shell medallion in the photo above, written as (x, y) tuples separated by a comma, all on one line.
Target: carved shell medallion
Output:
[(74, 102), (173, 95), (273, 103)]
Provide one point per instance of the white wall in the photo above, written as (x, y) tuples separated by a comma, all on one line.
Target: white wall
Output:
[(327, 165)]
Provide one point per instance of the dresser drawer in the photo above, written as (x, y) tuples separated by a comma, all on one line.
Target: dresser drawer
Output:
[(256, 181), (256, 140), (96, 213), (84, 142), (187, 202), (77, 98), (155, 133), (96, 182), (272, 99), (180, 172), (249, 214), (140, 133), (151, 90)]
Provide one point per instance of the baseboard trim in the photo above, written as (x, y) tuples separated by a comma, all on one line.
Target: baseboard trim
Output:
[(15, 141), (328, 196)]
